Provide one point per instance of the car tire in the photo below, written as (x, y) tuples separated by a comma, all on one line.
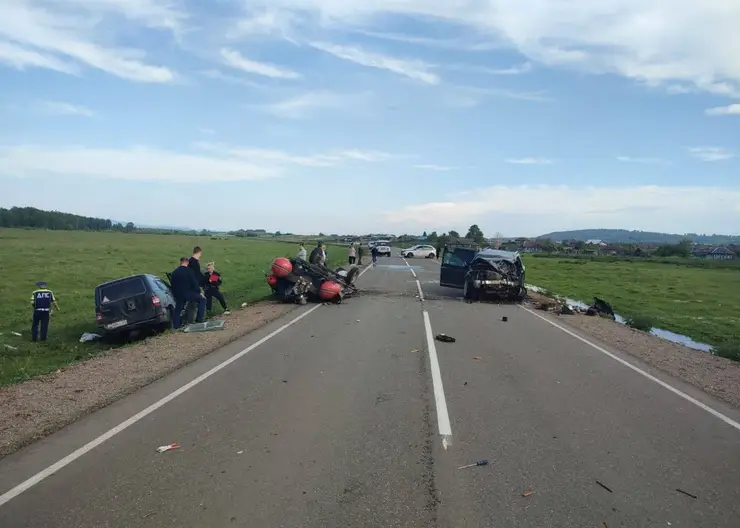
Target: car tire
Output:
[(409, 255), (431, 255)]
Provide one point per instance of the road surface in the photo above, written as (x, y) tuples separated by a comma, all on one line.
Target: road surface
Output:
[(348, 418)]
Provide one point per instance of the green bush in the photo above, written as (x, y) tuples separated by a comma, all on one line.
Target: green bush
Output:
[(728, 350), (640, 322)]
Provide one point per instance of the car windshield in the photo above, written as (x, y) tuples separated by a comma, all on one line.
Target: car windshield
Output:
[(121, 289)]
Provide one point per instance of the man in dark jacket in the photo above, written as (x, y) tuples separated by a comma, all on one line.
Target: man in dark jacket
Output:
[(186, 289), (194, 264), (213, 283), (318, 256)]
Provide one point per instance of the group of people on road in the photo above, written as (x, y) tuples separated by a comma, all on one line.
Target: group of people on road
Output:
[(319, 256), (190, 285)]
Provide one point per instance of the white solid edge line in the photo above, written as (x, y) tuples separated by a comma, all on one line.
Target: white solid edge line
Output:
[(418, 287), (443, 417), (409, 267), (726, 419), (41, 475)]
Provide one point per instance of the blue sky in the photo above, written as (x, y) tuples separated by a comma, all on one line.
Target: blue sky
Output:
[(352, 116)]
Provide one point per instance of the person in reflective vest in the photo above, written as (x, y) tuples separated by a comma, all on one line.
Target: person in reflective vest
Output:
[(42, 301)]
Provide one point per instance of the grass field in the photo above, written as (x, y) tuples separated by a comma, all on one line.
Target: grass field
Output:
[(703, 304), (73, 263)]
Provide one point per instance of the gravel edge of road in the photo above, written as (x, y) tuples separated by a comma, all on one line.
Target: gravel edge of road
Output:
[(36, 408), (715, 375)]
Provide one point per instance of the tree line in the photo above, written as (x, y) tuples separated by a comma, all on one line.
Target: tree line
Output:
[(57, 221)]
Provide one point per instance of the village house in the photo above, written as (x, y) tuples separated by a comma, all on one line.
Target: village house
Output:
[(713, 253)]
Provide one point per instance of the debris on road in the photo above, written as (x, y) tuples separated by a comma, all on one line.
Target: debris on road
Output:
[(239, 452), (297, 281), (208, 326), (414, 350), (445, 338), (479, 463), (603, 486), (686, 493), (169, 447), (504, 319), (244, 305), (477, 358), (527, 493)]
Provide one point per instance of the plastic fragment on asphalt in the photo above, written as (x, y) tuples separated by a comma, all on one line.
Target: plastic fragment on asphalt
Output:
[(479, 463), (414, 350), (239, 452), (445, 338), (168, 447), (686, 493), (527, 493), (604, 486), (477, 358)]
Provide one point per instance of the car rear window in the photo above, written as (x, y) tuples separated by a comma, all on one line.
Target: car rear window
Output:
[(121, 290)]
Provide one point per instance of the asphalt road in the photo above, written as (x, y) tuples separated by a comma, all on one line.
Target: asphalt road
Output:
[(336, 421)]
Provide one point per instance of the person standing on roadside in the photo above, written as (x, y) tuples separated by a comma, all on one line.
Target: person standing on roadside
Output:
[(302, 252), (186, 289), (318, 256), (360, 252), (212, 286), (374, 253), (42, 300), (194, 265), (352, 253)]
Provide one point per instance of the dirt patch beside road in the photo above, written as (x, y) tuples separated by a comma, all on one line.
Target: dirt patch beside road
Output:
[(714, 375), (41, 406)]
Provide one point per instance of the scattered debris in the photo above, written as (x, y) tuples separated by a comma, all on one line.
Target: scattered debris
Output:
[(527, 493), (87, 337), (358, 320), (239, 452), (168, 447), (477, 358), (686, 493), (215, 324), (479, 463), (465, 384), (414, 350), (504, 319), (16, 334), (445, 338), (603, 486), (11, 347), (244, 305)]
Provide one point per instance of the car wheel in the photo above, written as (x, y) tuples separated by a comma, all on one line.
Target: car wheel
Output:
[(431, 255), (469, 292), (409, 255)]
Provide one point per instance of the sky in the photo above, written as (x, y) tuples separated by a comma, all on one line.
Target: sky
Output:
[(384, 116)]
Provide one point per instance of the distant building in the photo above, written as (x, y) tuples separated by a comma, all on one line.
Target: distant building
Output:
[(713, 253), (595, 242)]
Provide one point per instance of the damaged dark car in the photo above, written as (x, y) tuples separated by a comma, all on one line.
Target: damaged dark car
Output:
[(487, 273)]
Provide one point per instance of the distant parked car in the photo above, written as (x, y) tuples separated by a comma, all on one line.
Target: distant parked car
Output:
[(132, 304), (421, 250), (383, 249)]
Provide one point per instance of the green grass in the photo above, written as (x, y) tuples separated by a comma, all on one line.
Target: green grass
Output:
[(73, 263), (703, 304)]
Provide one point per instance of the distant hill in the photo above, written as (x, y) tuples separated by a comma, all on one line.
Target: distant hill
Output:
[(617, 236)]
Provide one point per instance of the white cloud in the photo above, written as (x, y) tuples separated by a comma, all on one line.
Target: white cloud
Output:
[(59, 108), (660, 43), (733, 109), (711, 153), (57, 30), (22, 58), (513, 70), (462, 44), (413, 69), (436, 168), (529, 161), (236, 60), (305, 104), (531, 210), (217, 74), (330, 159), (162, 14), (644, 161)]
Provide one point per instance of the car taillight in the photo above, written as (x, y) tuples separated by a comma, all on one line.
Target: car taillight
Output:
[(156, 301), (100, 317)]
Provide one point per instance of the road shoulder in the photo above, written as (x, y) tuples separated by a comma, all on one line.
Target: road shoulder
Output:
[(36, 408), (718, 377)]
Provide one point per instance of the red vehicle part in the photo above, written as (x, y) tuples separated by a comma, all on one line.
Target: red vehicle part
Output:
[(281, 267), (329, 290), (271, 280)]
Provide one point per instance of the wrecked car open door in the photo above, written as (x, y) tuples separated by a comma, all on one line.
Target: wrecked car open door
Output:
[(455, 266)]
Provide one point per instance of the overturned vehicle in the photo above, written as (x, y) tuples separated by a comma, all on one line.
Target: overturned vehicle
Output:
[(487, 273), (298, 281)]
